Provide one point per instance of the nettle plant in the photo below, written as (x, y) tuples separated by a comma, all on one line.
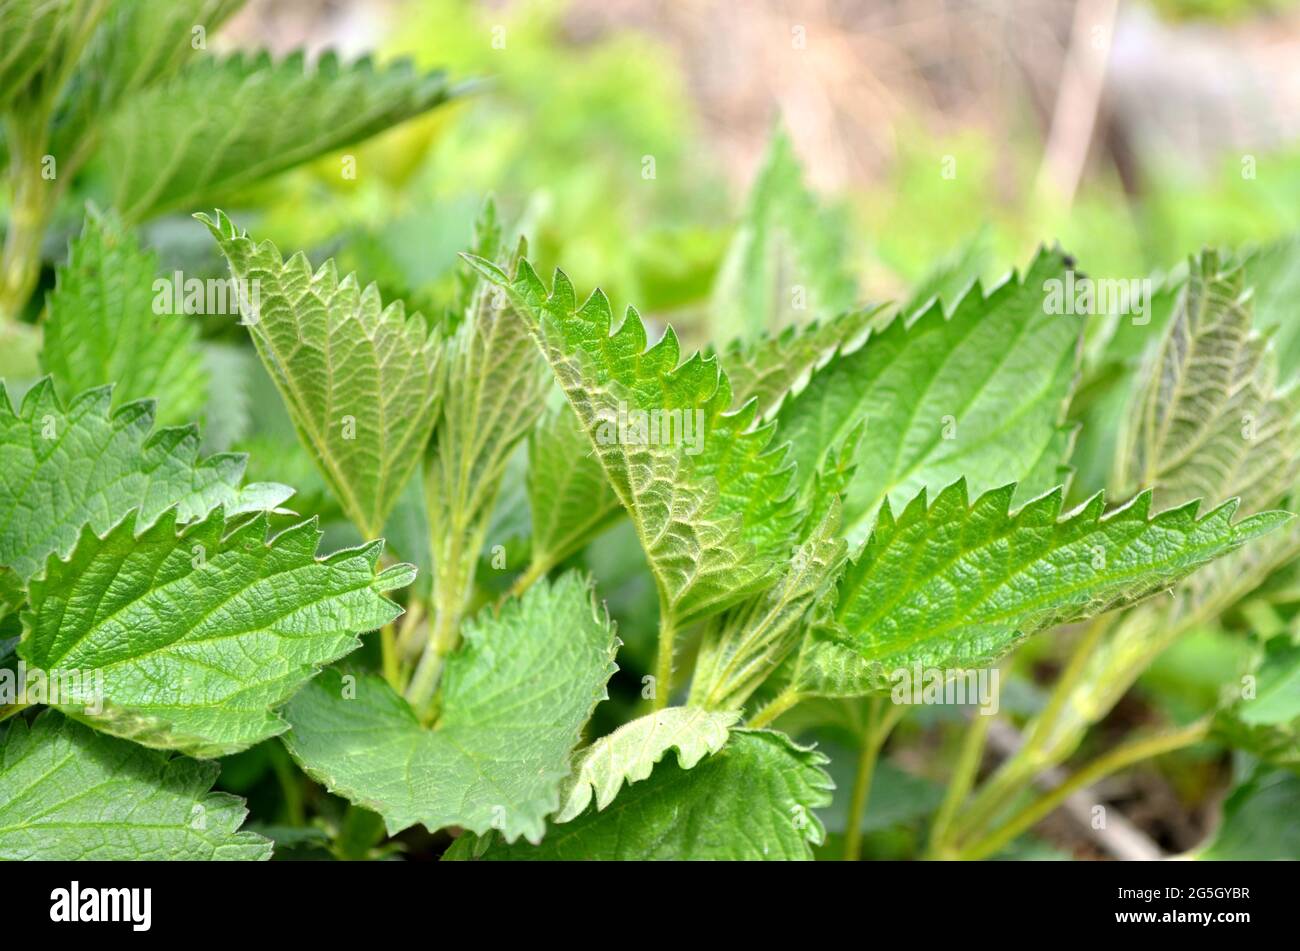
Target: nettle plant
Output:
[(855, 492), (875, 491)]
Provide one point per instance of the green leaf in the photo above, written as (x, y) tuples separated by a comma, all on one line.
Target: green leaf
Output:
[(102, 327), (569, 496), (68, 793), (39, 42), (741, 651), (361, 380), (788, 260), (193, 638), (62, 468), (1208, 423), (949, 280), (754, 799), (496, 389), (1259, 820), (219, 125), (770, 366), (980, 395), (514, 701), (954, 584), (1273, 273), (1267, 723), (1277, 689), (628, 755), (137, 44), (708, 494)]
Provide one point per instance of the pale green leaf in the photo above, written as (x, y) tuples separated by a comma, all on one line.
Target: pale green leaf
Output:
[(68, 793), (102, 327), (515, 698), (788, 261), (361, 380), (752, 800), (980, 395), (569, 495), (223, 124), (194, 638), (1208, 422), (62, 468), (496, 389), (628, 755), (741, 650), (954, 584), (1273, 273), (708, 494)]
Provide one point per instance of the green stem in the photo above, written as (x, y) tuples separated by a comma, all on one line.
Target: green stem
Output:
[(290, 786), (535, 571), (878, 728), (33, 202), (777, 706), (388, 649), (867, 755), (408, 633), (1019, 769), (959, 785), (428, 672), (664, 660), (1120, 757)]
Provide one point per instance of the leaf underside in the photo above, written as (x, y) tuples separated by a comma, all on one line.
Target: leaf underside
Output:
[(569, 495), (1209, 422), (629, 754), (361, 380), (754, 799)]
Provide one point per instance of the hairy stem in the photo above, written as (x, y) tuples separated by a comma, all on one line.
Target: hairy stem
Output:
[(388, 650), (535, 571), (428, 672), (664, 660), (880, 724), (1018, 771), (1120, 757), (867, 754), (34, 198), (777, 706), (959, 785), (290, 785)]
